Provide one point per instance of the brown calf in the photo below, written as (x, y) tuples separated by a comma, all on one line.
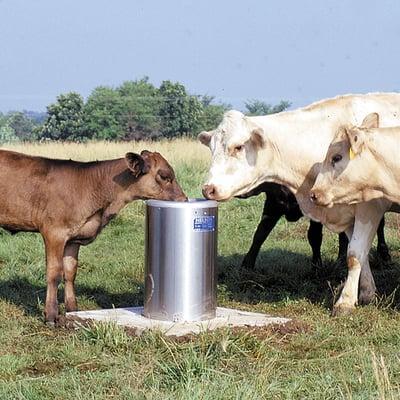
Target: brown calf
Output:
[(70, 202)]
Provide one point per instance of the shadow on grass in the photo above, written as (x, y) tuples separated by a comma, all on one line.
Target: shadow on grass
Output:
[(280, 275), (23, 293), (284, 275)]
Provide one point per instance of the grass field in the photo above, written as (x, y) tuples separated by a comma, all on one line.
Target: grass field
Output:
[(355, 357)]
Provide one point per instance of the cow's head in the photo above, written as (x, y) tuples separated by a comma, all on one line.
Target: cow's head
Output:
[(235, 146), (346, 170), (152, 176)]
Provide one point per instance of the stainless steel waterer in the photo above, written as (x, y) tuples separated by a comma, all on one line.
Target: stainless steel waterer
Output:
[(180, 260)]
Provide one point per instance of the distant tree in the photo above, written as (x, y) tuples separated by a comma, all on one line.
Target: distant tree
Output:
[(258, 107), (7, 134), (21, 124), (37, 117), (130, 111), (102, 114), (140, 116), (3, 119), (179, 111), (211, 114), (65, 120)]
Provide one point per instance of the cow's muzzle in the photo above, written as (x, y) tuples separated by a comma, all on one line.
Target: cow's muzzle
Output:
[(319, 198), (209, 192)]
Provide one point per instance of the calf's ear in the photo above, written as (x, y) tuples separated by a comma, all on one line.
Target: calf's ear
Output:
[(136, 164), (357, 139), (204, 138), (357, 136), (371, 121)]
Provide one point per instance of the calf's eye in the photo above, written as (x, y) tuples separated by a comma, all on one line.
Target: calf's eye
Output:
[(335, 159), (165, 177)]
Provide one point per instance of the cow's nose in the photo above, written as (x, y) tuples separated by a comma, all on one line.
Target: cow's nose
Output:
[(313, 196), (209, 192)]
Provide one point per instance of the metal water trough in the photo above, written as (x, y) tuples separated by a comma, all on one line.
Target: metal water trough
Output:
[(180, 260)]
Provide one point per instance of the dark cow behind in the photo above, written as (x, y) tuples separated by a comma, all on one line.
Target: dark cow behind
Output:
[(279, 202), (70, 202)]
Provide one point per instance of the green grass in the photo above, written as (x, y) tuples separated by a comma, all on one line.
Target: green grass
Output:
[(354, 357)]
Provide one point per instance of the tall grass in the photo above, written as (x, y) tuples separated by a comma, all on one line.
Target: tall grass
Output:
[(183, 150)]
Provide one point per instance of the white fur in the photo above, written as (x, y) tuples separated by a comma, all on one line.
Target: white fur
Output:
[(295, 144)]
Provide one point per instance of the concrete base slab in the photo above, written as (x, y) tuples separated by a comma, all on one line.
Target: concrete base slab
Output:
[(132, 317)]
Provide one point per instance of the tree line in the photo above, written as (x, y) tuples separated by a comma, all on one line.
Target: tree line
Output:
[(135, 110)]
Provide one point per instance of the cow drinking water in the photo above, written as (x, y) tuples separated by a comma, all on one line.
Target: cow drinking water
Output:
[(70, 202)]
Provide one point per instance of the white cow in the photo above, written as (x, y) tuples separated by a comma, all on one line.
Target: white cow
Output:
[(288, 148), (362, 163)]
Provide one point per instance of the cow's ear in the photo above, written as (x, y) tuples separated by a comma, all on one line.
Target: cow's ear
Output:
[(371, 121), (357, 139), (256, 132), (136, 164), (257, 137), (204, 138)]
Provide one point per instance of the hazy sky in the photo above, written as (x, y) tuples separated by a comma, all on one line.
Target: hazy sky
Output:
[(300, 51)]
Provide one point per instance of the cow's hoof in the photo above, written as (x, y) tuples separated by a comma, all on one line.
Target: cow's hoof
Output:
[(366, 296), (71, 307), (248, 264), (342, 310), (51, 324), (318, 268)]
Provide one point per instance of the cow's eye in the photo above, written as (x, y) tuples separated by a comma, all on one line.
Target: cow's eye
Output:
[(335, 159), (239, 148)]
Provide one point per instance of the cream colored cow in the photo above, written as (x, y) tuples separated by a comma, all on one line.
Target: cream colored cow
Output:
[(288, 148), (362, 163)]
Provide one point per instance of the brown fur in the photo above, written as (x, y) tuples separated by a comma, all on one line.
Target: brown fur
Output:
[(352, 262), (70, 202)]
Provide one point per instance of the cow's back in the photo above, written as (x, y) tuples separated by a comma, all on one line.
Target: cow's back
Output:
[(34, 189), (353, 108)]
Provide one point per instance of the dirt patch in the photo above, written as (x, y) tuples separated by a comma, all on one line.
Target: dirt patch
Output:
[(282, 331), (44, 368), (71, 323)]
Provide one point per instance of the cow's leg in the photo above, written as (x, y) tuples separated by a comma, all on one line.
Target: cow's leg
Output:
[(54, 271), (264, 228), (314, 236), (367, 219), (70, 265), (382, 247)]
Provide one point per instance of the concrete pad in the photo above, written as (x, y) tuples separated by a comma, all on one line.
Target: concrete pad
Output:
[(132, 317)]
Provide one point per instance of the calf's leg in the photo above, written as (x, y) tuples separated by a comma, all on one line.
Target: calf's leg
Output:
[(314, 236), (70, 266), (343, 245), (54, 271), (367, 219), (268, 221), (366, 281), (382, 247)]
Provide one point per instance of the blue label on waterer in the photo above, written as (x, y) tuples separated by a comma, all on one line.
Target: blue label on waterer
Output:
[(204, 224)]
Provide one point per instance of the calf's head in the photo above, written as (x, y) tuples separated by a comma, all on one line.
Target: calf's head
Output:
[(346, 170), (235, 145), (149, 176)]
